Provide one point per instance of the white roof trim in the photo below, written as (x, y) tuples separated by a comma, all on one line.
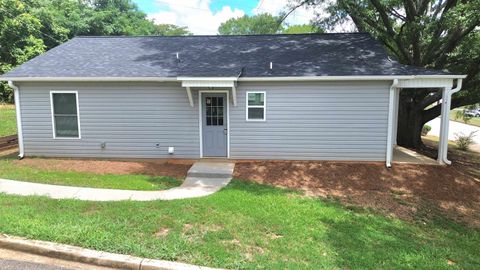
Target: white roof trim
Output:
[(170, 79), (89, 79), (206, 78), (350, 78)]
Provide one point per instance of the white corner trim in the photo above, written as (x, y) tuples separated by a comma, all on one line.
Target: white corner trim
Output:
[(256, 106), (391, 111), (200, 118), (18, 111), (53, 117)]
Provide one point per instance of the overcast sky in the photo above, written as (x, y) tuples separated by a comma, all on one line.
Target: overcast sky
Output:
[(203, 17)]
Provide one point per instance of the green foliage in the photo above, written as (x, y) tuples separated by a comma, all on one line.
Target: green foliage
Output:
[(426, 129), (302, 29), (263, 24), (28, 28), (19, 39), (171, 30), (464, 141), (251, 25)]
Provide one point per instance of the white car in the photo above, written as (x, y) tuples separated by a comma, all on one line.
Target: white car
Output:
[(473, 113)]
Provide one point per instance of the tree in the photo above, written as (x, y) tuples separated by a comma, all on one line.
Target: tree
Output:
[(439, 34), (302, 29), (19, 39), (171, 30), (29, 27), (251, 25)]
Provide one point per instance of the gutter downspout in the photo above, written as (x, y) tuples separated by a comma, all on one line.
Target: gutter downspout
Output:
[(391, 108), (448, 104), (16, 94)]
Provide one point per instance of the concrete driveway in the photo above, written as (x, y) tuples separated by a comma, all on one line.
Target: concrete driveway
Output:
[(454, 128)]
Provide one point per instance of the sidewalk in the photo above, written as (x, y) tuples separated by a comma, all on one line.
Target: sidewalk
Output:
[(204, 178)]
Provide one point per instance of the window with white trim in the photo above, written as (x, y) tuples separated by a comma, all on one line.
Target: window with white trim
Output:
[(65, 117), (256, 106)]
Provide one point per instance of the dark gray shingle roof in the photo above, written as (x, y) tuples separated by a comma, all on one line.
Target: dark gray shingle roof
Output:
[(218, 56)]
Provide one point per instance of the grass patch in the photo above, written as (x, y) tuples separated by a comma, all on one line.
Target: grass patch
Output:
[(8, 124), (475, 121), (9, 170), (246, 226)]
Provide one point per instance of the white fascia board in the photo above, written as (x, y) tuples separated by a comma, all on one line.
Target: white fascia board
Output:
[(172, 79), (350, 78), (89, 79), (207, 78)]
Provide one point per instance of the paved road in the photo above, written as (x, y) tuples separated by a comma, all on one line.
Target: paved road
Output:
[(20, 265), (454, 127), (16, 260)]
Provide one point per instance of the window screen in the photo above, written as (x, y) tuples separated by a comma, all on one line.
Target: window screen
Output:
[(65, 115), (256, 106)]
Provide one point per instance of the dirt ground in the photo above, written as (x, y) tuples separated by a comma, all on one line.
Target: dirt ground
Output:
[(173, 168), (405, 191)]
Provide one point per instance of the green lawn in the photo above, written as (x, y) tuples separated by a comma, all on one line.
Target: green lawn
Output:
[(247, 226), (8, 125), (473, 121), (12, 171)]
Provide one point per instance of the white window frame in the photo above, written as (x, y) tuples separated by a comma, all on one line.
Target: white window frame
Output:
[(264, 106), (53, 115)]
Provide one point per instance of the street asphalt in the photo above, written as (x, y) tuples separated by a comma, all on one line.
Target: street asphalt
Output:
[(20, 265)]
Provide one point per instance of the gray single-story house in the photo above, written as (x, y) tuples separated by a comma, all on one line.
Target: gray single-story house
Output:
[(296, 97)]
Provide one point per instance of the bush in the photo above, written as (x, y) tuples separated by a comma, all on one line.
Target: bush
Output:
[(426, 129), (464, 141)]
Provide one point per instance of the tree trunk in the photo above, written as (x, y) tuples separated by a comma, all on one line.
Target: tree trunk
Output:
[(410, 123)]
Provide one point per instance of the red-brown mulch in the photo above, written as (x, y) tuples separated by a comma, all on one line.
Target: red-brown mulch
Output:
[(172, 168), (399, 191)]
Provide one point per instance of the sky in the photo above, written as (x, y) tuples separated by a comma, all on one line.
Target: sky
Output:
[(203, 17)]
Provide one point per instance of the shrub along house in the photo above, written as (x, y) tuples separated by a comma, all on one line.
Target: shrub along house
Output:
[(315, 96)]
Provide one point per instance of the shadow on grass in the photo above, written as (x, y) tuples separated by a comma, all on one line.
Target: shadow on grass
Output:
[(164, 182)]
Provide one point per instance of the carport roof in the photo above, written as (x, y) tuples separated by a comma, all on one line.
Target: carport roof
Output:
[(303, 55)]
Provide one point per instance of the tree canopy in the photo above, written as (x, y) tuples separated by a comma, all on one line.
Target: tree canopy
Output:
[(263, 24), (30, 27), (439, 34)]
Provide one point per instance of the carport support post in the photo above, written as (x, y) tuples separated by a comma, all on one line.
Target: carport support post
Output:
[(445, 115), (390, 125)]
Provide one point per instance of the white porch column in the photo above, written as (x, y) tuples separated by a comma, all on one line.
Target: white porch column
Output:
[(391, 112), (445, 119)]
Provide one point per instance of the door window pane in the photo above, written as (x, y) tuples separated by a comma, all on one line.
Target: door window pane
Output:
[(214, 111)]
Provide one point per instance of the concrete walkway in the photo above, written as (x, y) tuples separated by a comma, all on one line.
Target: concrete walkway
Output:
[(203, 178)]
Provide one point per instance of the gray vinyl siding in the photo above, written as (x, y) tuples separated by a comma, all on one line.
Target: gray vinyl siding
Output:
[(313, 121), (304, 121), (131, 118)]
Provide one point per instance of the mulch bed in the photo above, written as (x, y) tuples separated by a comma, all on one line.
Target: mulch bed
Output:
[(399, 191), (172, 168)]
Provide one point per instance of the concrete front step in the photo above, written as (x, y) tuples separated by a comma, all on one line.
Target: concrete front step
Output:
[(211, 169)]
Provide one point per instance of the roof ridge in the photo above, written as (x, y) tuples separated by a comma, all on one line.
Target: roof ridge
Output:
[(225, 36)]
